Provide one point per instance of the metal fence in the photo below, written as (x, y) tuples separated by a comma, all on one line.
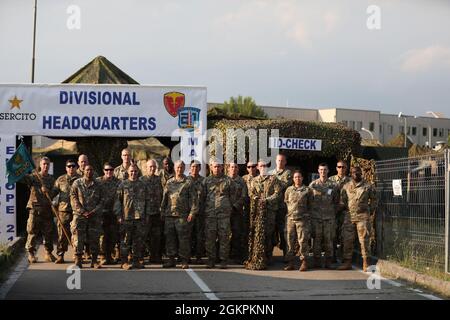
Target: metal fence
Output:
[(412, 217)]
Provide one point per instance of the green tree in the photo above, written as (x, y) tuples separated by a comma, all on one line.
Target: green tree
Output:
[(244, 106)]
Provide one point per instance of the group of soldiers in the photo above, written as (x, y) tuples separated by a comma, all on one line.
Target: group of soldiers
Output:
[(123, 215)]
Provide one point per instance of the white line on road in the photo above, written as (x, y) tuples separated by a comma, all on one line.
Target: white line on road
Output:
[(202, 285), (8, 284)]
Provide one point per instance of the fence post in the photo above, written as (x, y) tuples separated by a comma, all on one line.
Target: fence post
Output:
[(447, 214)]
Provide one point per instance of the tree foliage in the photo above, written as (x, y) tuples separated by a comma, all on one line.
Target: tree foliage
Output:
[(244, 106)]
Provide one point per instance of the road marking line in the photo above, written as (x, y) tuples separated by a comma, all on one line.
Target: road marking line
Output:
[(429, 296), (201, 284), (9, 283)]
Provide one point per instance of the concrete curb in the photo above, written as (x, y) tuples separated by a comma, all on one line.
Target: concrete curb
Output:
[(398, 272)]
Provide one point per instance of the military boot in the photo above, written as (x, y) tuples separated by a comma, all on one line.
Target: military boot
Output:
[(304, 266), (185, 264), (60, 259), (125, 265), (117, 255), (328, 263), (347, 265), (365, 264), (49, 257), (223, 264), (31, 257), (94, 262), (289, 266), (169, 264), (137, 264), (317, 262), (79, 261), (211, 264)]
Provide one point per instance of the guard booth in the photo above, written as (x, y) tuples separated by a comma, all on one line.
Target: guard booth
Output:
[(90, 112)]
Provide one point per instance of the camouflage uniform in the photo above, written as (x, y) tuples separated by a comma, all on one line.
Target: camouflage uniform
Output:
[(131, 206), (179, 200), (323, 215), (298, 202), (165, 176), (198, 226), (86, 197), (269, 190), (359, 201), (220, 195), (40, 218), (152, 238), (62, 186), (238, 221), (248, 178), (110, 235), (285, 177), (337, 239), (121, 173)]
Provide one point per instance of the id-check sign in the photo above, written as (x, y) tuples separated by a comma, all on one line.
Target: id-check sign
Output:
[(296, 144)]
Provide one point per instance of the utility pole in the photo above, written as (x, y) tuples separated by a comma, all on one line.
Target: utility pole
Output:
[(34, 42)]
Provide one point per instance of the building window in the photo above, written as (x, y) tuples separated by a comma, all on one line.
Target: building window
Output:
[(359, 125), (381, 129), (345, 123), (371, 126), (408, 131), (414, 131), (401, 129), (424, 132), (434, 132), (391, 130), (441, 132), (352, 125)]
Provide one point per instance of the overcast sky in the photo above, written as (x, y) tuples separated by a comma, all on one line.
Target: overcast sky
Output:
[(316, 54)]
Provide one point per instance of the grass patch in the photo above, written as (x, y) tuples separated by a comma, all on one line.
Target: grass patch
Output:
[(7, 260), (425, 260)]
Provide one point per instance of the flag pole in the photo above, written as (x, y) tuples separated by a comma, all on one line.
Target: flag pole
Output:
[(34, 41)]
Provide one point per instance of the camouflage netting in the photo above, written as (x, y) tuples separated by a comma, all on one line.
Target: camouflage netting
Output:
[(257, 259), (337, 141)]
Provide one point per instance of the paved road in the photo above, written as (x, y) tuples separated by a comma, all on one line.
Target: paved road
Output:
[(49, 281)]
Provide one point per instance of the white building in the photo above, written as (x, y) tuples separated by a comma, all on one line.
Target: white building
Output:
[(372, 124)]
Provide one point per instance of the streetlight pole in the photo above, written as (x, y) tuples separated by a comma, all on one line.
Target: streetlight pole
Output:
[(34, 41)]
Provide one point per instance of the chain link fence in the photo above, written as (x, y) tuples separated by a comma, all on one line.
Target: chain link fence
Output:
[(412, 216)]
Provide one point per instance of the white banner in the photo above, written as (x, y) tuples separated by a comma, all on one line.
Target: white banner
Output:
[(7, 192), (102, 110), (296, 144)]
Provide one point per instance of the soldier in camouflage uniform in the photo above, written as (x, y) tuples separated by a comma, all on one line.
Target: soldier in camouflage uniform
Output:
[(63, 185), (40, 218), (264, 193), (340, 179), (298, 200), (359, 200), (130, 207), (152, 237), (83, 161), (179, 206), (252, 173), (323, 214), (109, 239), (167, 171), (198, 226), (285, 177), (86, 226), (121, 172), (238, 216), (220, 192)]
